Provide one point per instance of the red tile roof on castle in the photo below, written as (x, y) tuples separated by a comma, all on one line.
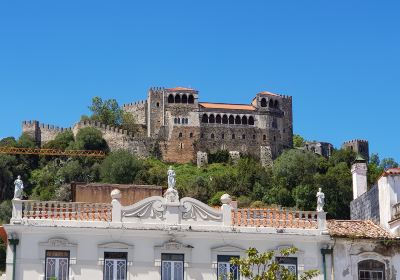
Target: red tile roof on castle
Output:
[(391, 171), (227, 106), (357, 229), (180, 89), (268, 93)]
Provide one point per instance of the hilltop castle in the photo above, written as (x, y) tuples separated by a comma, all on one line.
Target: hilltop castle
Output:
[(185, 129)]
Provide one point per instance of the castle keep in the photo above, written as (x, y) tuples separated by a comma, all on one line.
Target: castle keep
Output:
[(183, 127)]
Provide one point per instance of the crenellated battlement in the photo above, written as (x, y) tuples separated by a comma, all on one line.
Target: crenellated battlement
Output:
[(44, 126), (356, 141), (103, 127), (134, 104)]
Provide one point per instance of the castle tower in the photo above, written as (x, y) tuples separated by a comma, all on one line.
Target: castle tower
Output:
[(32, 129), (359, 173), (155, 112), (359, 146)]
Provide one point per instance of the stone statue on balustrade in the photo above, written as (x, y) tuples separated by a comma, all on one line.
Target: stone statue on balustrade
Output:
[(18, 188), (320, 200), (171, 194)]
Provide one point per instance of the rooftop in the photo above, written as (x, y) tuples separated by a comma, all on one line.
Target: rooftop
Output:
[(357, 229), (180, 89), (227, 106)]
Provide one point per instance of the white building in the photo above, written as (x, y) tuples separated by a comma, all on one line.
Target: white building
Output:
[(171, 238)]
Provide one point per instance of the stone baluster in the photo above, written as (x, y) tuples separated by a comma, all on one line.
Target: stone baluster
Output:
[(226, 209), (116, 206)]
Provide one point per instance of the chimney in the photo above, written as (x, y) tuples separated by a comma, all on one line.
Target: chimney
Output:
[(359, 172)]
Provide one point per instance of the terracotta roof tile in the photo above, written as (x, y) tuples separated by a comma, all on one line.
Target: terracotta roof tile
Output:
[(227, 106), (180, 89), (357, 229), (391, 171)]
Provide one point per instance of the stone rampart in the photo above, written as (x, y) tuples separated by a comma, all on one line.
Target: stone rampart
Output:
[(138, 110), (42, 133)]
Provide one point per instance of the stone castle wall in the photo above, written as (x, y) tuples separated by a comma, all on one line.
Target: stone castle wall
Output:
[(138, 110), (42, 133)]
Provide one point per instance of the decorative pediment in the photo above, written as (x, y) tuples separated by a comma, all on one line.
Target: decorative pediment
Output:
[(228, 248), (152, 207), (57, 242), (115, 245), (193, 209)]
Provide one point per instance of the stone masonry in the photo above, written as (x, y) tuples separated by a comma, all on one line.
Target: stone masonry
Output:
[(174, 119)]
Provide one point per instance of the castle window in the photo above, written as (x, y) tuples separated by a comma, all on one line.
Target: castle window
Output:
[(244, 120), (191, 135), (276, 104), (263, 102), (231, 119), (223, 136), (238, 120), (202, 135), (371, 269), (274, 138), (218, 119), (177, 98), (181, 145), (224, 119), (264, 137), (251, 120), (274, 123), (179, 120), (170, 98), (271, 103), (254, 136), (191, 99), (184, 99), (187, 120), (233, 136), (158, 104), (211, 119), (212, 135), (243, 136), (175, 121), (180, 134), (204, 119)]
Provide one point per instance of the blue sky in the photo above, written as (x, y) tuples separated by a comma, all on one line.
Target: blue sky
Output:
[(338, 59)]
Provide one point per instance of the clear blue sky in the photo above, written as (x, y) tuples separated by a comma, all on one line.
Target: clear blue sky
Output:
[(338, 59)]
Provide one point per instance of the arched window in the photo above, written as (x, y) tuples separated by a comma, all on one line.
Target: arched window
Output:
[(177, 98), (179, 120), (204, 119), (274, 138), (218, 119), (371, 269), (243, 136), (170, 98), (231, 119), (251, 120), (211, 119), (158, 104), (191, 99), (276, 104), (238, 120), (254, 136), (264, 137), (244, 120), (224, 119), (263, 102), (180, 134), (271, 103), (191, 135), (175, 121), (233, 136), (223, 136), (181, 145), (187, 120), (212, 135), (184, 99)]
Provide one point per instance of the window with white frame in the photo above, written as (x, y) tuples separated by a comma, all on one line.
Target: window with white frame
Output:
[(290, 263), (57, 265), (371, 270), (172, 266), (115, 264), (226, 270)]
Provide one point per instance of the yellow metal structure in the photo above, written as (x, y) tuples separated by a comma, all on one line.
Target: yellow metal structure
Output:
[(51, 152)]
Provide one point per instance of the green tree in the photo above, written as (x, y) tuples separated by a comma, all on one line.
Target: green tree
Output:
[(61, 141), (304, 197), (107, 111), (26, 141), (266, 266), (120, 167), (387, 163), (7, 164), (129, 122), (298, 141), (89, 138), (5, 211), (218, 156), (8, 142)]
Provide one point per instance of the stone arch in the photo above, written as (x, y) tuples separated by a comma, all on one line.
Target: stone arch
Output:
[(238, 120), (368, 267), (243, 136), (170, 98), (244, 120), (276, 104), (179, 120), (184, 99), (204, 119), (180, 135), (231, 119), (271, 103), (218, 119), (225, 119), (191, 135), (177, 98), (211, 119), (264, 137), (175, 120), (191, 99), (263, 102), (251, 120)]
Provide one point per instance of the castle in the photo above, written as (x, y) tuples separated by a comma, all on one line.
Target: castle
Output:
[(185, 129)]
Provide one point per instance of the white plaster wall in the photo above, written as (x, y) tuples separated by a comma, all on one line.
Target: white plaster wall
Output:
[(389, 192), (30, 261)]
